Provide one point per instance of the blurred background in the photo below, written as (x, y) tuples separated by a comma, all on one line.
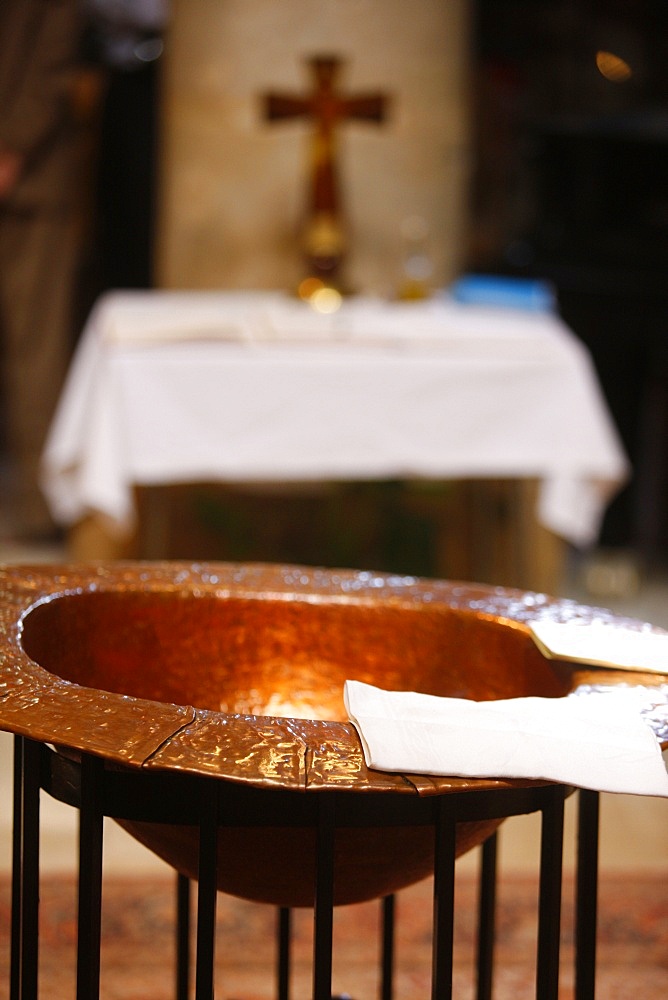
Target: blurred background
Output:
[(522, 138)]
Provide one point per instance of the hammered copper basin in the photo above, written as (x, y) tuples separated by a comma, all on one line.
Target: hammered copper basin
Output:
[(264, 655), (237, 672)]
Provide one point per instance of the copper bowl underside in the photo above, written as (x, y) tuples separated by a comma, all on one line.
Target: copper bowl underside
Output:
[(236, 672)]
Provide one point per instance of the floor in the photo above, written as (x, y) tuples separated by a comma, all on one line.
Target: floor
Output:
[(632, 834)]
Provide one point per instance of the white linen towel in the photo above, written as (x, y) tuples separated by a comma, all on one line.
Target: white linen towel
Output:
[(596, 741), (603, 644)]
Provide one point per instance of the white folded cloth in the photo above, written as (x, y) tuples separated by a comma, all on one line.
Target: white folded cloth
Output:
[(603, 644), (596, 741)]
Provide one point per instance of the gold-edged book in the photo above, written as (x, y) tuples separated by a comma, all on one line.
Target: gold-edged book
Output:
[(600, 644)]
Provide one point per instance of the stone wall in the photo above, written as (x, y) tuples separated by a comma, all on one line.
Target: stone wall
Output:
[(234, 186)]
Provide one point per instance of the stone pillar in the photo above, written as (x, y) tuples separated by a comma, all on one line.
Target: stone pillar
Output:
[(234, 188)]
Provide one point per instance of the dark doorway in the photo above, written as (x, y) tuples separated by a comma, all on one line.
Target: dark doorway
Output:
[(571, 184)]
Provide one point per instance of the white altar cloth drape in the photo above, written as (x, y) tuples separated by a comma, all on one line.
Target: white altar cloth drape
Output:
[(169, 387)]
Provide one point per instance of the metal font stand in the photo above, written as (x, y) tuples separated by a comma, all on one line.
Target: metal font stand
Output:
[(97, 790)]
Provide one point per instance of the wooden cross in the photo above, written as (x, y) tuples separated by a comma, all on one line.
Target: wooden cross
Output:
[(326, 108)]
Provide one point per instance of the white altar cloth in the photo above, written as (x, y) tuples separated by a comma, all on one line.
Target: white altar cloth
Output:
[(169, 387)]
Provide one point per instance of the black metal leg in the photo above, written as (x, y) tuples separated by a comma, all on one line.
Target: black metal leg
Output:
[(89, 929), (387, 953), (30, 866), (444, 901), (586, 903), (25, 873), (323, 910), (284, 930), (206, 894), (182, 937), (486, 917), (549, 911), (17, 873)]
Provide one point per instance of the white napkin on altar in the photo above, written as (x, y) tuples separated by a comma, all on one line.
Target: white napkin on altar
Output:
[(596, 741)]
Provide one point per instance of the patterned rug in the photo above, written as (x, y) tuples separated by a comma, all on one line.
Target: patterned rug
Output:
[(138, 942)]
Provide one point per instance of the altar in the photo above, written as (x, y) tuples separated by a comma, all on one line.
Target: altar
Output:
[(258, 388)]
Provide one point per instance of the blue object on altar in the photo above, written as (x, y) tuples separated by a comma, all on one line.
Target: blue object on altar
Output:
[(512, 293)]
